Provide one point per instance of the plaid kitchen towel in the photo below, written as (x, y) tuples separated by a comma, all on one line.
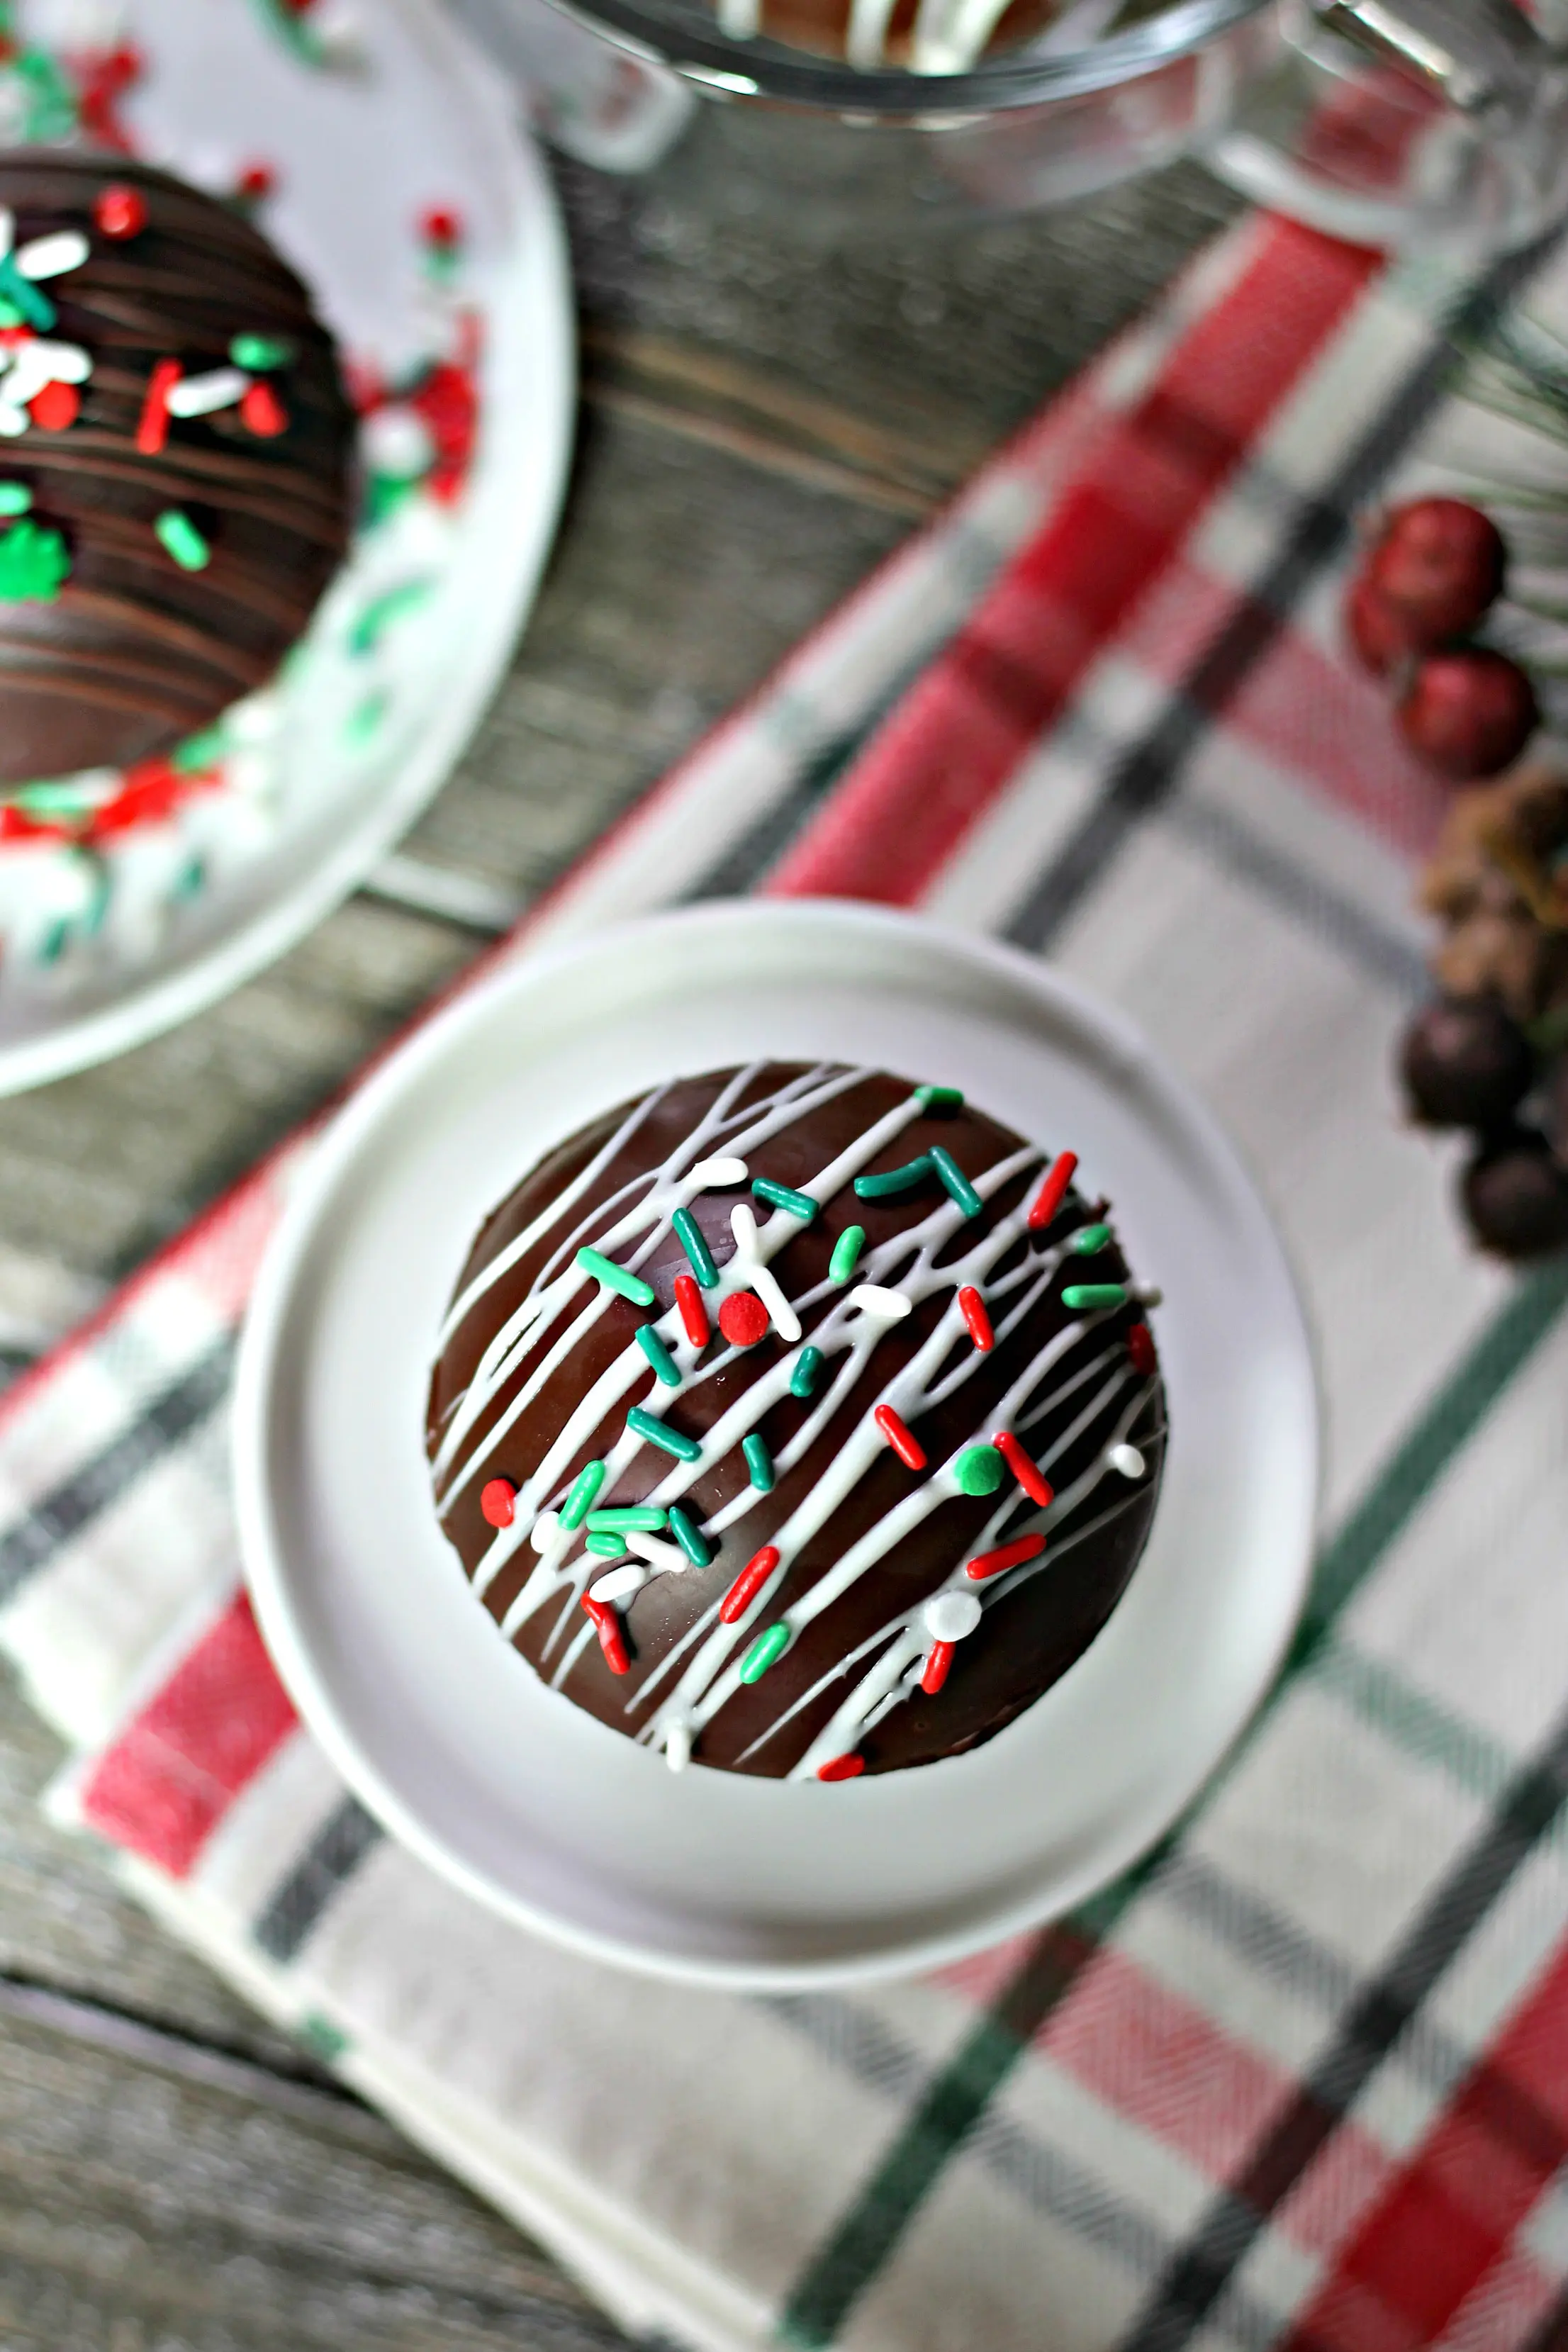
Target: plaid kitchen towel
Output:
[(1303, 2076)]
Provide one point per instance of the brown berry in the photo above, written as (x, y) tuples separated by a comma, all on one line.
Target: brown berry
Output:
[(1468, 714), (1378, 637), (1440, 565), (1465, 1064), (1516, 1198)]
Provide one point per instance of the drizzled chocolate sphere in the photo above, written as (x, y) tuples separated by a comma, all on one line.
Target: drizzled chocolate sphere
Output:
[(799, 1420), (1516, 1198), (175, 462), (1465, 1064)]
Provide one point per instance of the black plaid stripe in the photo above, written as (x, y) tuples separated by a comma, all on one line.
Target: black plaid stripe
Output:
[(295, 1906)]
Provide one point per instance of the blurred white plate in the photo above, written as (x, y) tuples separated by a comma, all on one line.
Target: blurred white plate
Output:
[(568, 1827), (408, 120)]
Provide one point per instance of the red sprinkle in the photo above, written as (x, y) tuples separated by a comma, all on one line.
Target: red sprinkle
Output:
[(262, 412), (743, 1319), (1007, 1556), (441, 226), (1032, 1479), (152, 431), (120, 212), (841, 1767), (498, 1502), (748, 1584), (693, 1313), (1053, 1192), (256, 182), (607, 1625), (55, 406), (939, 1661), (973, 1309), (901, 1437), (1140, 1350)]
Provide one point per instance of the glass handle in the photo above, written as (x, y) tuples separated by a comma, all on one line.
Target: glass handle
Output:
[(1483, 55)]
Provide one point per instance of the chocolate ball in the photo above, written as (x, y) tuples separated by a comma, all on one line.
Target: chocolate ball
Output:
[(1465, 1064), (809, 1539), (1515, 1196)]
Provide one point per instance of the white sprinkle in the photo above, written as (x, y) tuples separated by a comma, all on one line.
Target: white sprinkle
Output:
[(48, 256), (888, 1305), (664, 1558), (678, 1745), (619, 1583), (544, 1530), (35, 364), (1127, 1459), (1148, 1293), (13, 420), (396, 441), (717, 1174), (785, 1321), (198, 396), (948, 1616)]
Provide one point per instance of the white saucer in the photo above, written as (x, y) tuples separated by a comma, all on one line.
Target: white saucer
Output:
[(567, 1827)]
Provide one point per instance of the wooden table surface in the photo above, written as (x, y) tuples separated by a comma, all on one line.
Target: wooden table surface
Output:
[(767, 410)]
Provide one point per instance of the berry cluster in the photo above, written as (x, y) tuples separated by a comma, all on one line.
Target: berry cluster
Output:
[(1488, 1054)]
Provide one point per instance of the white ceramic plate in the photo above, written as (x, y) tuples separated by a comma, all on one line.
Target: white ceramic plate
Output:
[(568, 1827), (409, 120)]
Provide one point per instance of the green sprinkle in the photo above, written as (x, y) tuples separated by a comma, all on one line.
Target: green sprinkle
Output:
[(659, 1356), (803, 1379), (9, 314), (939, 1098), (198, 751), (580, 1501), (383, 611), (626, 1519), (846, 1252), (689, 1535), (260, 353), (191, 880), (321, 2038), (1082, 1296), (779, 1196), (979, 1470), (1089, 1240), (648, 1425), (20, 292), (34, 562), (178, 537), (897, 1179), (363, 722), (759, 1462), (15, 497), (959, 1188), (693, 1240), (764, 1651), (615, 1277), (606, 1546)]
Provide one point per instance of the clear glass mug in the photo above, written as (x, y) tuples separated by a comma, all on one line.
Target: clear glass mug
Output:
[(1440, 124)]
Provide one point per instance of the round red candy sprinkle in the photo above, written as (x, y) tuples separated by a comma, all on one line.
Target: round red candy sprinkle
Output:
[(55, 406), (441, 226), (842, 1767), (262, 412), (120, 212), (257, 181), (742, 1318), (1140, 1350), (498, 1502)]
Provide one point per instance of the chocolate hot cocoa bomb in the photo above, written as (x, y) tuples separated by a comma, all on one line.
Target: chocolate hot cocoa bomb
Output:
[(801, 1421), (177, 460)]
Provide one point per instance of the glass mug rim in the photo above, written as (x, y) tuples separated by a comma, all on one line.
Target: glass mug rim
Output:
[(691, 44)]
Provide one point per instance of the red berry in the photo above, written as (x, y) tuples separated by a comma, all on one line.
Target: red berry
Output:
[(498, 1502), (121, 213), (742, 1318), (1468, 714), (262, 412), (55, 407), (1379, 637), (1441, 564)]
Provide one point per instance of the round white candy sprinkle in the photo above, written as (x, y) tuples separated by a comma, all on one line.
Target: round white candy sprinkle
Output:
[(890, 1305), (718, 1172), (678, 1745), (1127, 1459), (1148, 1293), (396, 441), (950, 1616), (620, 1583), (544, 1530)]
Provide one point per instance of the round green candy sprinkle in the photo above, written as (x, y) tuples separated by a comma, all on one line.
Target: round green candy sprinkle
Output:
[(955, 1184), (260, 352), (580, 1501), (178, 537), (659, 1356), (694, 1242), (764, 1652), (897, 1179), (1089, 1240), (759, 1462), (689, 1535), (803, 1379), (846, 1252), (647, 1426), (15, 497), (780, 1196), (625, 1519), (979, 1470), (1082, 1297), (615, 1277), (607, 1545), (940, 1098)]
